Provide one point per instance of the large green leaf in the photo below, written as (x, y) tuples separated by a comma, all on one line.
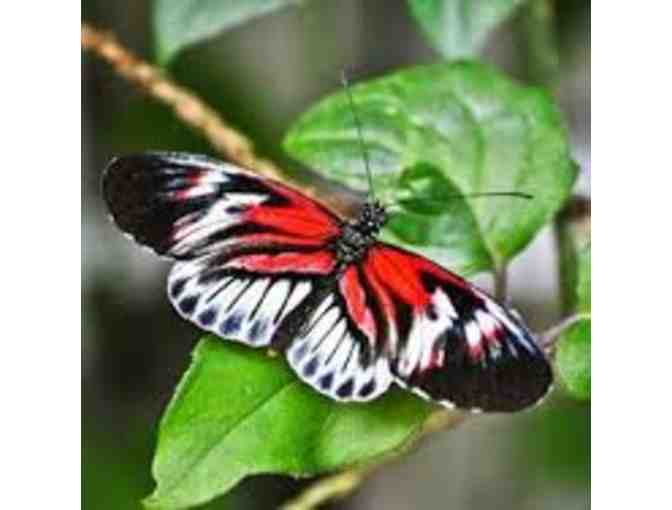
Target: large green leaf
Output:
[(437, 131), (459, 28), (182, 23), (238, 412)]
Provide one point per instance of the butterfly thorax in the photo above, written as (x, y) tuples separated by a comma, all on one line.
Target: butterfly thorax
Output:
[(358, 234)]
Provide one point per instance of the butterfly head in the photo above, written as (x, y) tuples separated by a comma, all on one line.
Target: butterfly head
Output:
[(371, 218)]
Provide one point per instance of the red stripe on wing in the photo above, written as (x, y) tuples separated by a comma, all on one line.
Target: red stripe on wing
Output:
[(302, 216), (355, 300), (320, 262), (399, 273), (387, 307), (278, 239)]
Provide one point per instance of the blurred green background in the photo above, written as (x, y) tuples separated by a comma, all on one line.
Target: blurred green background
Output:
[(261, 76)]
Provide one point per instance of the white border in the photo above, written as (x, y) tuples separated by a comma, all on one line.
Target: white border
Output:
[(632, 337), (40, 218)]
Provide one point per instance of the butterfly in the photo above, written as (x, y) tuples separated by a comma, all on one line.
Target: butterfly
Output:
[(261, 263)]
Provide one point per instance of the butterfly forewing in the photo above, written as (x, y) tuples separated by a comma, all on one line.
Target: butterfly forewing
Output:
[(186, 206)]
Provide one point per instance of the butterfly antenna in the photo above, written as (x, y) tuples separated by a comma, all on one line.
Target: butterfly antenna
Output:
[(358, 125), (515, 194)]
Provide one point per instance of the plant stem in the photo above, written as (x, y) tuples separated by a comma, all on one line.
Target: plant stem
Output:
[(501, 283), (548, 338), (543, 58)]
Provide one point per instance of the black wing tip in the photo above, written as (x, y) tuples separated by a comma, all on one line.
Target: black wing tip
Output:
[(510, 386), (130, 193)]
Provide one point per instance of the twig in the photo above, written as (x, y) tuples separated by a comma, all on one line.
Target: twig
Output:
[(501, 283), (345, 483), (328, 488), (548, 338), (187, 106)]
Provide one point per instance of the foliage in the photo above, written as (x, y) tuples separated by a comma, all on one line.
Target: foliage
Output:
[(179, 24), (238, 412), (573, 354), (456, 128), (459, 28), (443, 130), (431, 133)]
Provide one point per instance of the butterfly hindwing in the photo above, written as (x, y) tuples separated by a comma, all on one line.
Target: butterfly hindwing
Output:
[(237, 301), (452, 342), (333, 355), (185, 206), (287, 308)]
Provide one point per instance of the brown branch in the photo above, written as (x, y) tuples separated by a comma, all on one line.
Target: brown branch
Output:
[(195, 113), (501, 283), (186, 105), (577, 208)]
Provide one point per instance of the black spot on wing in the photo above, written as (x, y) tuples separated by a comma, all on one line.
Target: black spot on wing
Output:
[(188, 304), (231, 324), (300, 352), (310, 368), (257, 330), (326, 381), (367, 389), (345, 389), (177, 287), (207, 317)]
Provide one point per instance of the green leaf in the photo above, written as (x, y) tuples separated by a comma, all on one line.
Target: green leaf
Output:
[(455, 129), (583, 279), (433, 220), (459, 28), (238, 412), (573, 353), (573, 360), (179, 24)]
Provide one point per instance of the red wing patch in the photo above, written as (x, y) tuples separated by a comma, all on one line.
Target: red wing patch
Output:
[(355, 298), (186, 206), (454, 343), (298, 215), (314, 263)]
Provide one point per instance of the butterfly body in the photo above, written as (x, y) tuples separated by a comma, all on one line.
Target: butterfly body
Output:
[(358, 235), (260, 263)]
